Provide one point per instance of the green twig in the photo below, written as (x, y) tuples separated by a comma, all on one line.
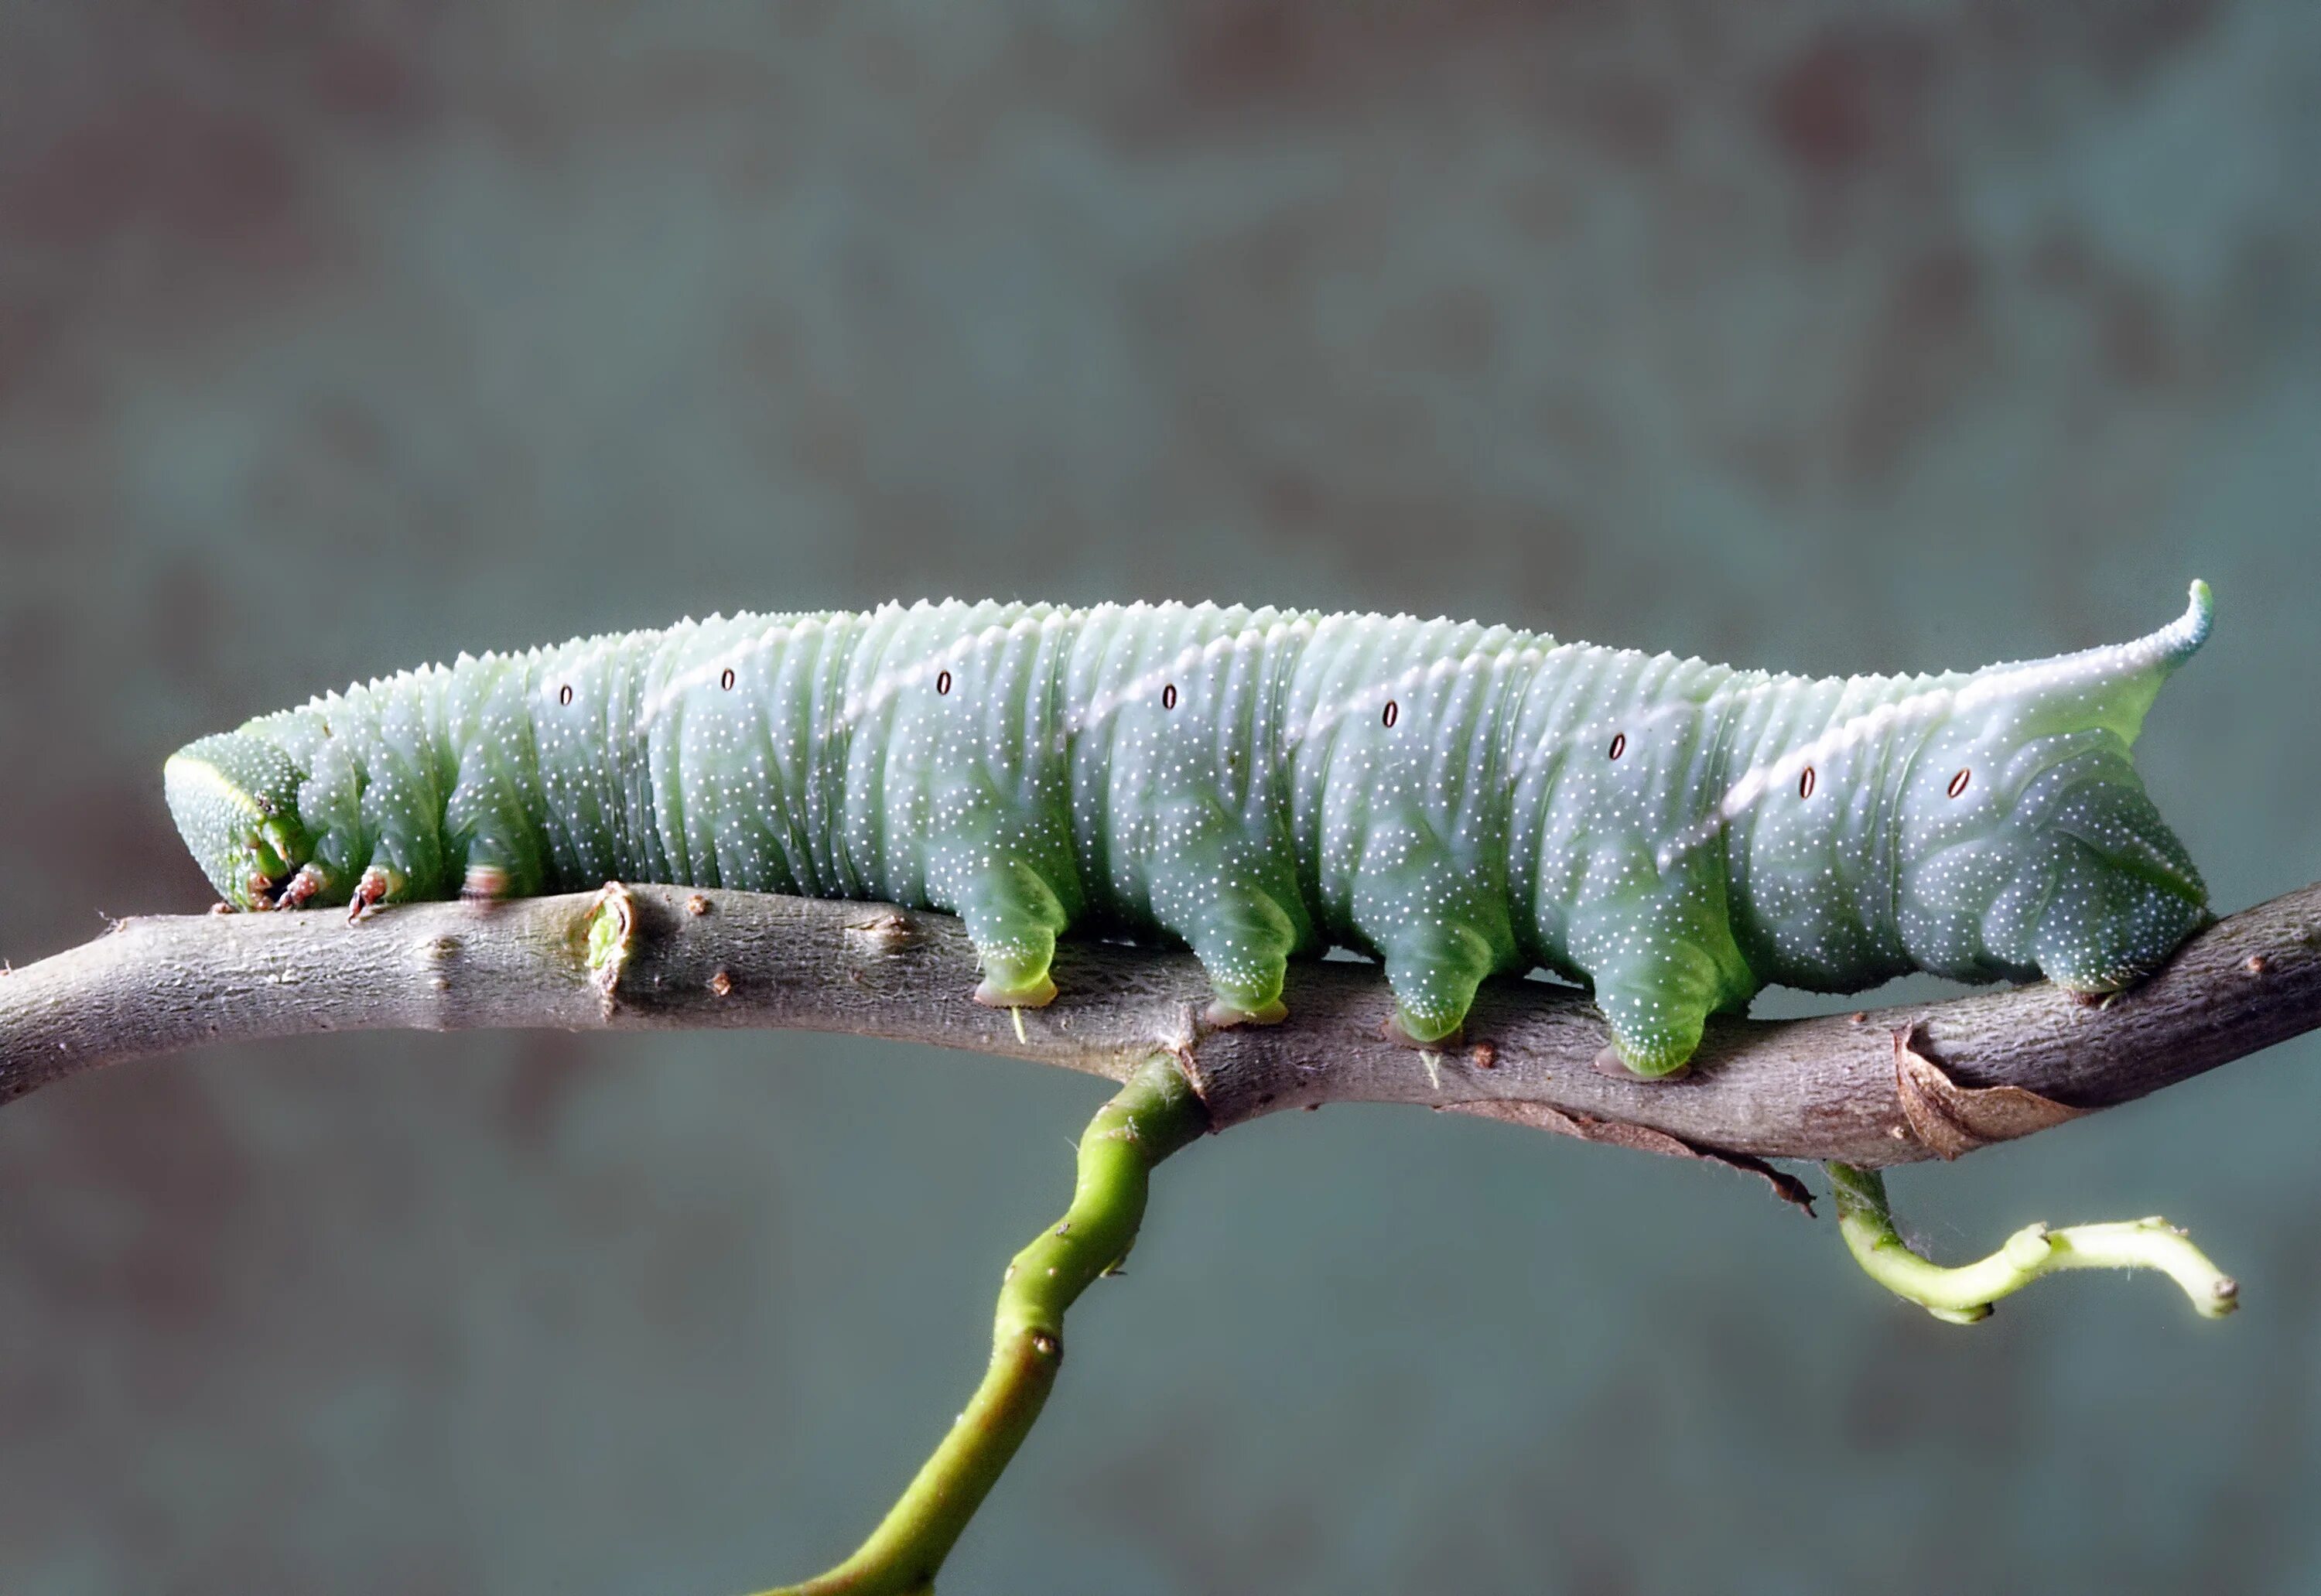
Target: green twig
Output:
[(1964, 1294), (1154, 1114)]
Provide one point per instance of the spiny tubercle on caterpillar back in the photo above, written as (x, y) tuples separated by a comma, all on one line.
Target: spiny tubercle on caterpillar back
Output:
[(1457, 800)]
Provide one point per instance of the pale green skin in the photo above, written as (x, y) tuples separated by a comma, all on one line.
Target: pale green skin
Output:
[(1229, 778)]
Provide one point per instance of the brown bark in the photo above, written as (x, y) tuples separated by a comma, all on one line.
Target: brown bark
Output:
[(1866, 1088)]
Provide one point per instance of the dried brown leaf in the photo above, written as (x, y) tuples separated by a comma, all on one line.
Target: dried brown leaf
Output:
[(1951, 1120)]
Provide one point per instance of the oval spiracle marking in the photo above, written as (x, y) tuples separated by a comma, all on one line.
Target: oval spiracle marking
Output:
[(726, 680), (1619, 744), (1806, 784), (564, 694), (1393, 713), (1169, 696), (943, 685), (1959, 781)]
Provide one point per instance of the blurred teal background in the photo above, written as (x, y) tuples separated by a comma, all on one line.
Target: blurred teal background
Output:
[(334, 338)]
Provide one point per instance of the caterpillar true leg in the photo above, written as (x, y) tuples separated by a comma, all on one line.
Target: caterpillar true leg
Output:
[(501, 858), (493, 832), (303, 888), (499, 855), (486, 882), (377, 885)]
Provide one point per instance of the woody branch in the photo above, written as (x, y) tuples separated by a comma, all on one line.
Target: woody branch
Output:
[(1871, 1088)]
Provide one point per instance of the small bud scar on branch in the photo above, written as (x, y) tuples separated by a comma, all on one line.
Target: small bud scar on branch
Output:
[(1870, 1089)]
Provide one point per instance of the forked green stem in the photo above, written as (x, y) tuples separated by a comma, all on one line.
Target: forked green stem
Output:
[(1964, 1294), (1154, 1114)]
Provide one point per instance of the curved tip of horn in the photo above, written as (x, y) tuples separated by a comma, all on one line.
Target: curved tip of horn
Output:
[(2113, 684), (2182, 638)]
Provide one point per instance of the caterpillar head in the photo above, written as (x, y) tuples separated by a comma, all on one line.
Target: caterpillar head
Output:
[(2027, 840), (235, 799)]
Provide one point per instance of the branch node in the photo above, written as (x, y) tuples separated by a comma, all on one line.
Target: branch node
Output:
[(612, 938), (1952, 1120), (891, 929)]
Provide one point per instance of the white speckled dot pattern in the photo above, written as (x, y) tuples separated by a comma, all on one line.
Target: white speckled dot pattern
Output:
[(1459, 800)]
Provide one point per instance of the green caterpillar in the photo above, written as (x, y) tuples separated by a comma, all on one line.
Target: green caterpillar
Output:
[(1457, 800)]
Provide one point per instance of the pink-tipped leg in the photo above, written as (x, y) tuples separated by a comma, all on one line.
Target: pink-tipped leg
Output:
[(302, 888), (370, 891), (486, 883)]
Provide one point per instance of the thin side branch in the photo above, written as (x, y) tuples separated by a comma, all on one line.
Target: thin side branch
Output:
[(1154, 1114), (1964, 1294), (1872, 1088)]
